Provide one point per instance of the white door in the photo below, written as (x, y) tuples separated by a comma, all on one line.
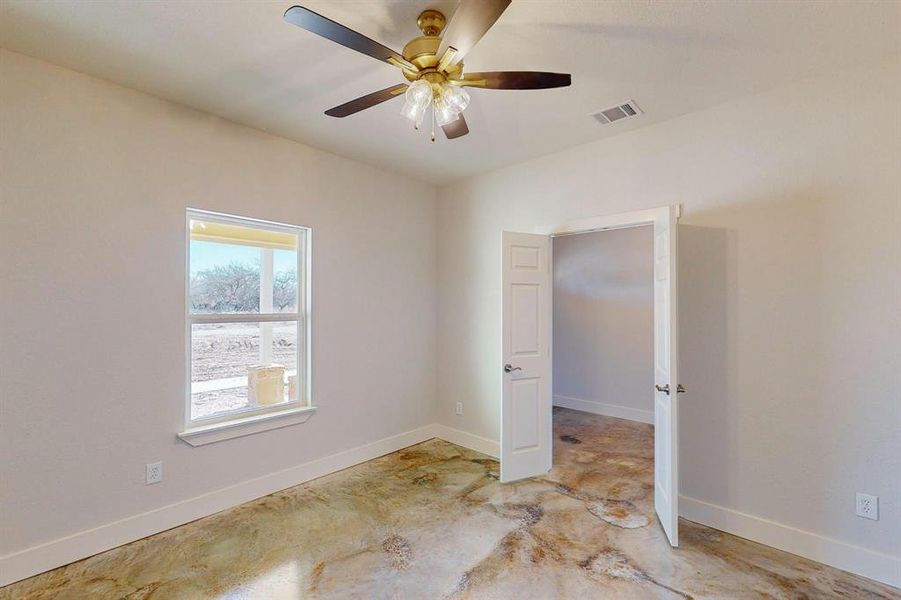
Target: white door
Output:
[(666, 380), (526, 428)]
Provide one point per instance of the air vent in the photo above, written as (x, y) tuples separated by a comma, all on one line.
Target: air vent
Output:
[(617, 113)]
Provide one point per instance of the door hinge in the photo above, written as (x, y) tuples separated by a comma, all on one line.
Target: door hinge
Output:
[(665, 389)]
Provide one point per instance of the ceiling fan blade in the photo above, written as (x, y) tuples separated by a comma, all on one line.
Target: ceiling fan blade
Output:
[(456, 129), (367, 101), (471, 21), (338, 33), (516, 80)]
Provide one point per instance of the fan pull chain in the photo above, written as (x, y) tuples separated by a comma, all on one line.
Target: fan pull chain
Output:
[(433, 123)]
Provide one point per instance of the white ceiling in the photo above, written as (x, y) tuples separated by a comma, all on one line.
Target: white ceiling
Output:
[(239, 60)]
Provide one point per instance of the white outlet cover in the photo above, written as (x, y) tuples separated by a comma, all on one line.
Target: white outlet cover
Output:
[(153, 473), (867, 506), (459, 408)]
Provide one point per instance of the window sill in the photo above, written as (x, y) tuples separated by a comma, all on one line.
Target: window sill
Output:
[(217, 432)]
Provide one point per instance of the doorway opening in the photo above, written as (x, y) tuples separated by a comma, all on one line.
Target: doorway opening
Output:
[(603, 323), (527, 421), (603, 371)]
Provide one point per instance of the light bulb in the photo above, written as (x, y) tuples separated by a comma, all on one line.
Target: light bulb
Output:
[(419, 92), (444, 114), (455, 97)]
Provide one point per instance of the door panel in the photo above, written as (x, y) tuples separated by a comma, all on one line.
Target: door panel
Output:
[(525, 307), (525, 257), (666, 438), (526, 393), (526, 403)]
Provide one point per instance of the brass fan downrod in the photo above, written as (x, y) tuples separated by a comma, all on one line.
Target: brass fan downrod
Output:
[(431, 23)]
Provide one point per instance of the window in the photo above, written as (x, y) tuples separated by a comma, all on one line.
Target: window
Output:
[(247, 321)]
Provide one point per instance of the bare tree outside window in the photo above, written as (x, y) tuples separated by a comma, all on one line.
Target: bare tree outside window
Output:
[(235, 288), (284, 294)]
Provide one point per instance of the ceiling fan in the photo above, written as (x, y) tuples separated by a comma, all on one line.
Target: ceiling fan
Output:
[(432, 64)]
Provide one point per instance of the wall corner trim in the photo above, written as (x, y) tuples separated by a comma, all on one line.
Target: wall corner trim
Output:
[(841, 555), (468, 440)]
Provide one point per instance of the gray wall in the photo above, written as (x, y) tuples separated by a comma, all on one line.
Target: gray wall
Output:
[(604, 322)]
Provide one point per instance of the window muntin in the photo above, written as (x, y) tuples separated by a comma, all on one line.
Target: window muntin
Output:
[(247, 323)]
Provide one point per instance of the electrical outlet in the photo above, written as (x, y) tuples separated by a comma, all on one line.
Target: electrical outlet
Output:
[(459, 408), (868, 506), (153, 473)]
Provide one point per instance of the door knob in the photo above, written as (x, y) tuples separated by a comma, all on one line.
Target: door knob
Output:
[(508, 368)]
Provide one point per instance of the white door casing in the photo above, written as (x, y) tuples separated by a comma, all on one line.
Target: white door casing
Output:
[(526, 437), (526, 424), (666, 414)]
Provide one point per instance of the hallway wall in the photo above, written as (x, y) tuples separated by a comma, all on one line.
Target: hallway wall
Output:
[(604, 322)]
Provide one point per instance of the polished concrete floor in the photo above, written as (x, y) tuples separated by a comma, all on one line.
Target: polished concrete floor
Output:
[(432, 521)]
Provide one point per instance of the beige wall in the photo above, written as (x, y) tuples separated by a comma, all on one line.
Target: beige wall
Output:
[(789, 297), (604, 321), (95, 183)]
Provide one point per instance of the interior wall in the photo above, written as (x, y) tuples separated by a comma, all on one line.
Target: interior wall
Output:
[(604, 322), (790, 283), (96, 179)]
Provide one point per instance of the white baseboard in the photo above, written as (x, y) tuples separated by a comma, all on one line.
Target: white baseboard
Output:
[(854, 559), (56, 553), (608, 410), (468, 440)]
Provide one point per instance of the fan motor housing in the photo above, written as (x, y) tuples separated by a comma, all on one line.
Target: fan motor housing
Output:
[(421, 51)]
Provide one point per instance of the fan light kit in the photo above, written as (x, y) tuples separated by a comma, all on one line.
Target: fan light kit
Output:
[(447, 100), (432, 64)]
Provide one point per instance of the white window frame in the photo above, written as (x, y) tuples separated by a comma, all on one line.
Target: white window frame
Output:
[(247, 421)]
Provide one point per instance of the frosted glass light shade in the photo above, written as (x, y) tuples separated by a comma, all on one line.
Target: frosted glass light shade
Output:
[(455, 97), (445, 114), (416, 100), (414, 112), (419, 93)]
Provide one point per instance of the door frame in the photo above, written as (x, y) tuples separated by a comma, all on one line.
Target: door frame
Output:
[(635, 218)]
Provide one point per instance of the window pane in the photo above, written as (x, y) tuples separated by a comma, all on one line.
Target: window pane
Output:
[(225, 278), (243, 366), (284, 281), (235, 269)]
